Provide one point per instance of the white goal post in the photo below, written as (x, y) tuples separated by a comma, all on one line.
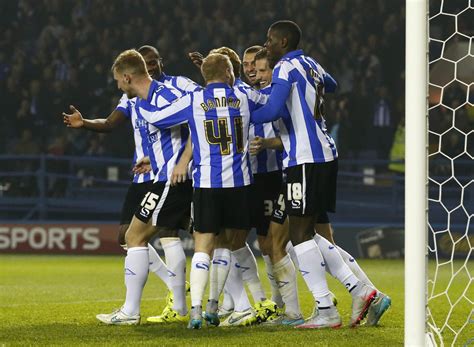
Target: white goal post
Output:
[(439, 301), (416, 224)]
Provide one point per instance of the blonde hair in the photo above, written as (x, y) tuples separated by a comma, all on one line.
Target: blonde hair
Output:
[(214, 66), (234, 58), (130, 61)]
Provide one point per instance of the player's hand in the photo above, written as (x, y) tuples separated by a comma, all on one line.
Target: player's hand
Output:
[(196, 58), (257, 145), (180, 173), (74, 119), (142, 166)]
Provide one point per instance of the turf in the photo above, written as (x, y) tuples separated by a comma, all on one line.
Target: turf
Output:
[(53, 300)]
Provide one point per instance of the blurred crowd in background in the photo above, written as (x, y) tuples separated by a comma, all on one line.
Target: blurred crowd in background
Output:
[(54, 53)]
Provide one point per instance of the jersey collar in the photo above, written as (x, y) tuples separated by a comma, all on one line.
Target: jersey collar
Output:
[(217, 85), (292, 54), (162, 77), (153, 87)]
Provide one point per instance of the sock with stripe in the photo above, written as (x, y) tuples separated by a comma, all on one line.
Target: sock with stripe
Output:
[(312, 268), (235, 288), (157, 266), (218, 275), (248, 265), (136, 274), (199, 275), (276, 296), (176, 263), (354, 266), (285, 277), (335, 264)]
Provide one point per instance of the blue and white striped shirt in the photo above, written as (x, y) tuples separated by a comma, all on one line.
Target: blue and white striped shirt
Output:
[(302, 126), (218, 118), (148, 138), (268, 160), (140, 135)]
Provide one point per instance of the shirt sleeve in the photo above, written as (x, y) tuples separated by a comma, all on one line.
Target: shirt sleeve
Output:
[(169, 116), (281, 73), (271, 111), (123, 106), (330, 84), (256, 98), (187, 85)]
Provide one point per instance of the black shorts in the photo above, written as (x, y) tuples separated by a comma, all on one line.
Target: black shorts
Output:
[(265, 191), (135, 194), (311, 189), (215, 209), (167, 206)]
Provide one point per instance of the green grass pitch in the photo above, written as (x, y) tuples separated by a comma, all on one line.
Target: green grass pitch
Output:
[(53, 300)]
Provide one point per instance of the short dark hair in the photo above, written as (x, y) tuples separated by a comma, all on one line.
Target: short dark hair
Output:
[(147, 49), (289, 30), (253, 49), (261, 54)]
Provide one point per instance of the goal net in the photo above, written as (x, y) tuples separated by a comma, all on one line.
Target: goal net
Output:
[(450, 288)]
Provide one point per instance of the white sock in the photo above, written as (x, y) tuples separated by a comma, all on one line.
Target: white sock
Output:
[(219, 271), (248, 265), (335, 264), (276, 296), (228, 301), (291, 252), (234, 286), (285, 277), (176, 262), (356, 269), (312, 268), (199, 275), (136, 274), (157, 266)]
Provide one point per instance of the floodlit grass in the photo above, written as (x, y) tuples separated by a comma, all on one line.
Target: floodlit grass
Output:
[(53, 300)]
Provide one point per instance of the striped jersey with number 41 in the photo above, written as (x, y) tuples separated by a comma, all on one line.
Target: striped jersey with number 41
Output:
[(218, 118)]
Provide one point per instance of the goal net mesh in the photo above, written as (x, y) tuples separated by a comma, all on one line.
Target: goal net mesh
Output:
[(450, 312)]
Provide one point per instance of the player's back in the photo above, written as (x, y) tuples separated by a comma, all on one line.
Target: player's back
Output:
[(219, 131)]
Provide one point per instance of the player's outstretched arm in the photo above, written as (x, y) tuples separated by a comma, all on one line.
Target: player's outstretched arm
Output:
[(258, 144), (178, 112), (142, 166), (103, 125), (180, 171), (271, 111)]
